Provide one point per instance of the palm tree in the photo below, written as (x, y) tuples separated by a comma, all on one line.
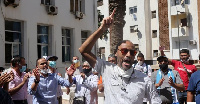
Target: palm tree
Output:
[(116, 30)]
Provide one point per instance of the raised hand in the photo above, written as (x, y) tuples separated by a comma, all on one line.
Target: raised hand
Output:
[(161, 48), (2, 79), (26, 76), (171, 81), (161, 81), (10, 77), (83, 75), (71, 70), (36, 74), (106, 22)]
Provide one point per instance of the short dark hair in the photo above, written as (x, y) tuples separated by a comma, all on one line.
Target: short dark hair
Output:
[(123, 41), (112, 55), (185, 51), (2, 68), (15, 60), (140, 55)]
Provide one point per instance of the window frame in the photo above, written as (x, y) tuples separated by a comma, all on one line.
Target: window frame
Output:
[(20, 43), (48, 39), (66, 45)]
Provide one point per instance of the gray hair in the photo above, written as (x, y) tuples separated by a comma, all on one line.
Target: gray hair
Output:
[(86, 62), (112, 55)]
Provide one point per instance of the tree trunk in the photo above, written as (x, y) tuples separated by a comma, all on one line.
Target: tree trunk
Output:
[(116, 30)]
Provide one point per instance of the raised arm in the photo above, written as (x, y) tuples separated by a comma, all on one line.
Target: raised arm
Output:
[(86, 47), (161, 48)]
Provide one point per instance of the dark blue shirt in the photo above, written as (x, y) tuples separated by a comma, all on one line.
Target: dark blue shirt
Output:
[(194, 85)]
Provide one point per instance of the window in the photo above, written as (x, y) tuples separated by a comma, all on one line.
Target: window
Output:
[(66, 45), (133, 10), (154, 33), (42, 40), (102, 53), (184, 22), (84, 36), (46, 2), (77, 5), (71, 5), (133, 28), (183, 44), (178, 2), (12, 40), (136, 47), (153, 13), (155, 53)]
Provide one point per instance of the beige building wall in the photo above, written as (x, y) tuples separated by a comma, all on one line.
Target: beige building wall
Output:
[(32, 13)]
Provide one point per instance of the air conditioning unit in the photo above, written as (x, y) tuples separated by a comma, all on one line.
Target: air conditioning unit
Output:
[(192, 42), (53, 10), (135, 28), (14, 3), (79, 15)]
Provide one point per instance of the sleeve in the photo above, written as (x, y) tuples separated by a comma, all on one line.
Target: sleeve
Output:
[(92, 83), (62, 81), (191, 85), (100, 66), (11, 84), (149, 70), (173, 62), (30, 82), (153, 77), (195, 69), (178, 78), (100, 80), (151, 93)]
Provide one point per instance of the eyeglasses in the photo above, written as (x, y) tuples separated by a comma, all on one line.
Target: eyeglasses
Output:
[(86, 66), (124, 51)]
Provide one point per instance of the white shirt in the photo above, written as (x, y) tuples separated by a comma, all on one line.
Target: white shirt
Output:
[(87, 87), (118, 90), (143, 68)]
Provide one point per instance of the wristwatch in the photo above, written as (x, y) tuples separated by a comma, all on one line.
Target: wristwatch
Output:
[(36, 81)]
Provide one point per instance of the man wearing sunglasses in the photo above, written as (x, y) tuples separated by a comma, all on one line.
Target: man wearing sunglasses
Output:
[(167, 81), (122, 84), (185, 69)]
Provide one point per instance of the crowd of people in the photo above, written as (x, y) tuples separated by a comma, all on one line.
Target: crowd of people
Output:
[(122, 80)]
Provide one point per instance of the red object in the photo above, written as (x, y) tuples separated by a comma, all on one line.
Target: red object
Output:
[(183, 74)]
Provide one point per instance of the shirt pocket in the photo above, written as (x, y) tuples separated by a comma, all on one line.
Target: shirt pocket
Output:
[(114, 82)]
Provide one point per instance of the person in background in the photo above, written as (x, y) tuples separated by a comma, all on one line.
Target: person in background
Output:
[(43, 84), (112, 59), (142, 67), (1, 70), (78, 70), (86, 85), (51, 60), (4, 81), (194, 87), (185, 69), (59, 92), (167, 82), (18, 86)]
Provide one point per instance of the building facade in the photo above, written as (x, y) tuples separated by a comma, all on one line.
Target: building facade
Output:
[(154, 23), (36, 28), (183, 27)]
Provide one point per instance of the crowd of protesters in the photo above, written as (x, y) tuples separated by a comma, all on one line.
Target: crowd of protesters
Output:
[(122, 80)]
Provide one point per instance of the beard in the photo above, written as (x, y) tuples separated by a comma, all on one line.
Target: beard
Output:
[(125, 63)]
